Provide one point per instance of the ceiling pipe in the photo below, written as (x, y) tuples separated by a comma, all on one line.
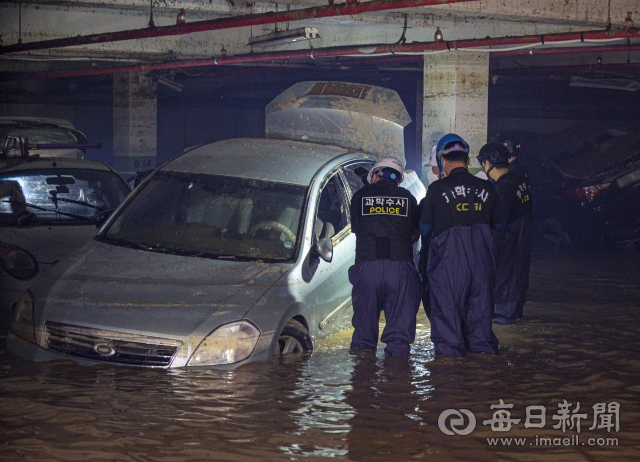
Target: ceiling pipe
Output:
[(590, 67), (344, 9), (572, 50), (347, 51)]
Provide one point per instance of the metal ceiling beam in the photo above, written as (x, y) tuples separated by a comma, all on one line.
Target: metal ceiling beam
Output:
[(351, 51), (344, 9)]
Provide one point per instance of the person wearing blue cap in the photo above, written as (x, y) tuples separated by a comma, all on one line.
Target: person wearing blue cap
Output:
[(456, 222)]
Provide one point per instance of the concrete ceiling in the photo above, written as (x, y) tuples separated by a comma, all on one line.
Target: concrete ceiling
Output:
[(35, 21)]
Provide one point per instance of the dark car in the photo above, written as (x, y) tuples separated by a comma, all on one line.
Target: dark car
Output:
[(586, 184)]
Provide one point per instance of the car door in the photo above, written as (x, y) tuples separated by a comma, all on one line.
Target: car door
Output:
[(328, 291)]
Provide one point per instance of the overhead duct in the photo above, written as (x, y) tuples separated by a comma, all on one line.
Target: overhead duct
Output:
[(361, 117)]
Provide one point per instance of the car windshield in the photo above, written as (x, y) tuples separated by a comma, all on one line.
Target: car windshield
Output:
[(211, 216), (59, 196)]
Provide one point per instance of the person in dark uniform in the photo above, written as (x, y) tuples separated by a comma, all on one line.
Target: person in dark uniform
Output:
[(514, 255), (513, 147), (457, 218), (384, 218)]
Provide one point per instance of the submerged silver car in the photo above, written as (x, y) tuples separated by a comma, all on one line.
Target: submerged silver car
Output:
[(210, 260), (232, 252)]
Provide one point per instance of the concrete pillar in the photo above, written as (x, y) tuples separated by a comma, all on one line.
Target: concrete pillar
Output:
[(456, 96), (135, 123), (422, 173)]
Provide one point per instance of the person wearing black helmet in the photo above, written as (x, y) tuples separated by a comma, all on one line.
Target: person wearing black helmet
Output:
[(384, 218), (514, 256), (513, 147), (457, 216)]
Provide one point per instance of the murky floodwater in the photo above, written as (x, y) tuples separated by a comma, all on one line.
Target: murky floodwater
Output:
[(580, 343)]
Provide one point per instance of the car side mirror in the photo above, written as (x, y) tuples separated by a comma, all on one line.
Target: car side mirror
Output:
[(324, 249), (101, 217)]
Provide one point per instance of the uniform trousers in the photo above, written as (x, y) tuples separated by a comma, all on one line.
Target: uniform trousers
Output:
[(392, 286)]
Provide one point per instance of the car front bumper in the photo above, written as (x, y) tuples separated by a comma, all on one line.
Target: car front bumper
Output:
[(17, 346)]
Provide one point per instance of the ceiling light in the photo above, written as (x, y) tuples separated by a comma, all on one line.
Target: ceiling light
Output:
[(175, 86), (280, 37)]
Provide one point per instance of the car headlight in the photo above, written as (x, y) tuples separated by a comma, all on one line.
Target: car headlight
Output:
[(18, 262), (22, 323), (227, 344)]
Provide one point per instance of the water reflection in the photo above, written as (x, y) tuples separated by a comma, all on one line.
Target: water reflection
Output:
[(579, 342)]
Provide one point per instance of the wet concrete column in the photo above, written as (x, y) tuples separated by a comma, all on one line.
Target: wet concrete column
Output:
[(456, 90), (135, 122)]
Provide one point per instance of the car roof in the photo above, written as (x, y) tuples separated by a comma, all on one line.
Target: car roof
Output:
[(286, 161), (37, 120), (14, 164)]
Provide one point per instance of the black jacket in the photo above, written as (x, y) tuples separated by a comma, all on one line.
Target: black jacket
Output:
[(460, 199), (383, 217), (515, 196)]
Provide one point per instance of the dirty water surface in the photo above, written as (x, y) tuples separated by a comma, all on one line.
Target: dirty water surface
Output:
[(578, 344)]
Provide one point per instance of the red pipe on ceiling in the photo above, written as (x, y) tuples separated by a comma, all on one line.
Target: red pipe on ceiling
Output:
[(362, 50), (344, 9)]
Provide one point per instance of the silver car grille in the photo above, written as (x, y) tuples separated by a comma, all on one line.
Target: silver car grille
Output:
[(110, 346)]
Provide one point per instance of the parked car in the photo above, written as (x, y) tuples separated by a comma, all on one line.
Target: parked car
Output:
[(586, 186), (47, 209), (44, 131), (235, 251)]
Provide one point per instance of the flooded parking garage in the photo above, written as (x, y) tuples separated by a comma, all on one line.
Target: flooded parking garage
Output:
[(565, 385), (567, 377)]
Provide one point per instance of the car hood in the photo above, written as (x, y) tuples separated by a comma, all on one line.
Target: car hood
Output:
[(48, 244), (122, 289)]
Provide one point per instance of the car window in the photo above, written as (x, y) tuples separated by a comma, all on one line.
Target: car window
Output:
[(332, 215), (59, 196), (354, 179), (41, 134), (211, 216)]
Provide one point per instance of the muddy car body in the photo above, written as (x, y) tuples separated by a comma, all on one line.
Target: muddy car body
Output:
[(47, 210), (586, 184), (233, 252)]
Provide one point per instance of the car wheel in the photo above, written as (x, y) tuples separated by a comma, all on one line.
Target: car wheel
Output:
[(294, 338), (554, 234)]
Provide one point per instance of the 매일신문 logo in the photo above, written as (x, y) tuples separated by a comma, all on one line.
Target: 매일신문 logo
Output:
[(452, 422)]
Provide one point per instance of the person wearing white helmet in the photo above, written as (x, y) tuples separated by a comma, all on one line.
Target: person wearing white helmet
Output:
[(384, 218), (434, 174)]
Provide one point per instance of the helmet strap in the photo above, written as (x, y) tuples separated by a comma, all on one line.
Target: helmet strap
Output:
[(490, 168)]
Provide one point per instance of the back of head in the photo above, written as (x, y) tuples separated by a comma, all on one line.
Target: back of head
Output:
[(453, 148), (494, 153), (509, 141)]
